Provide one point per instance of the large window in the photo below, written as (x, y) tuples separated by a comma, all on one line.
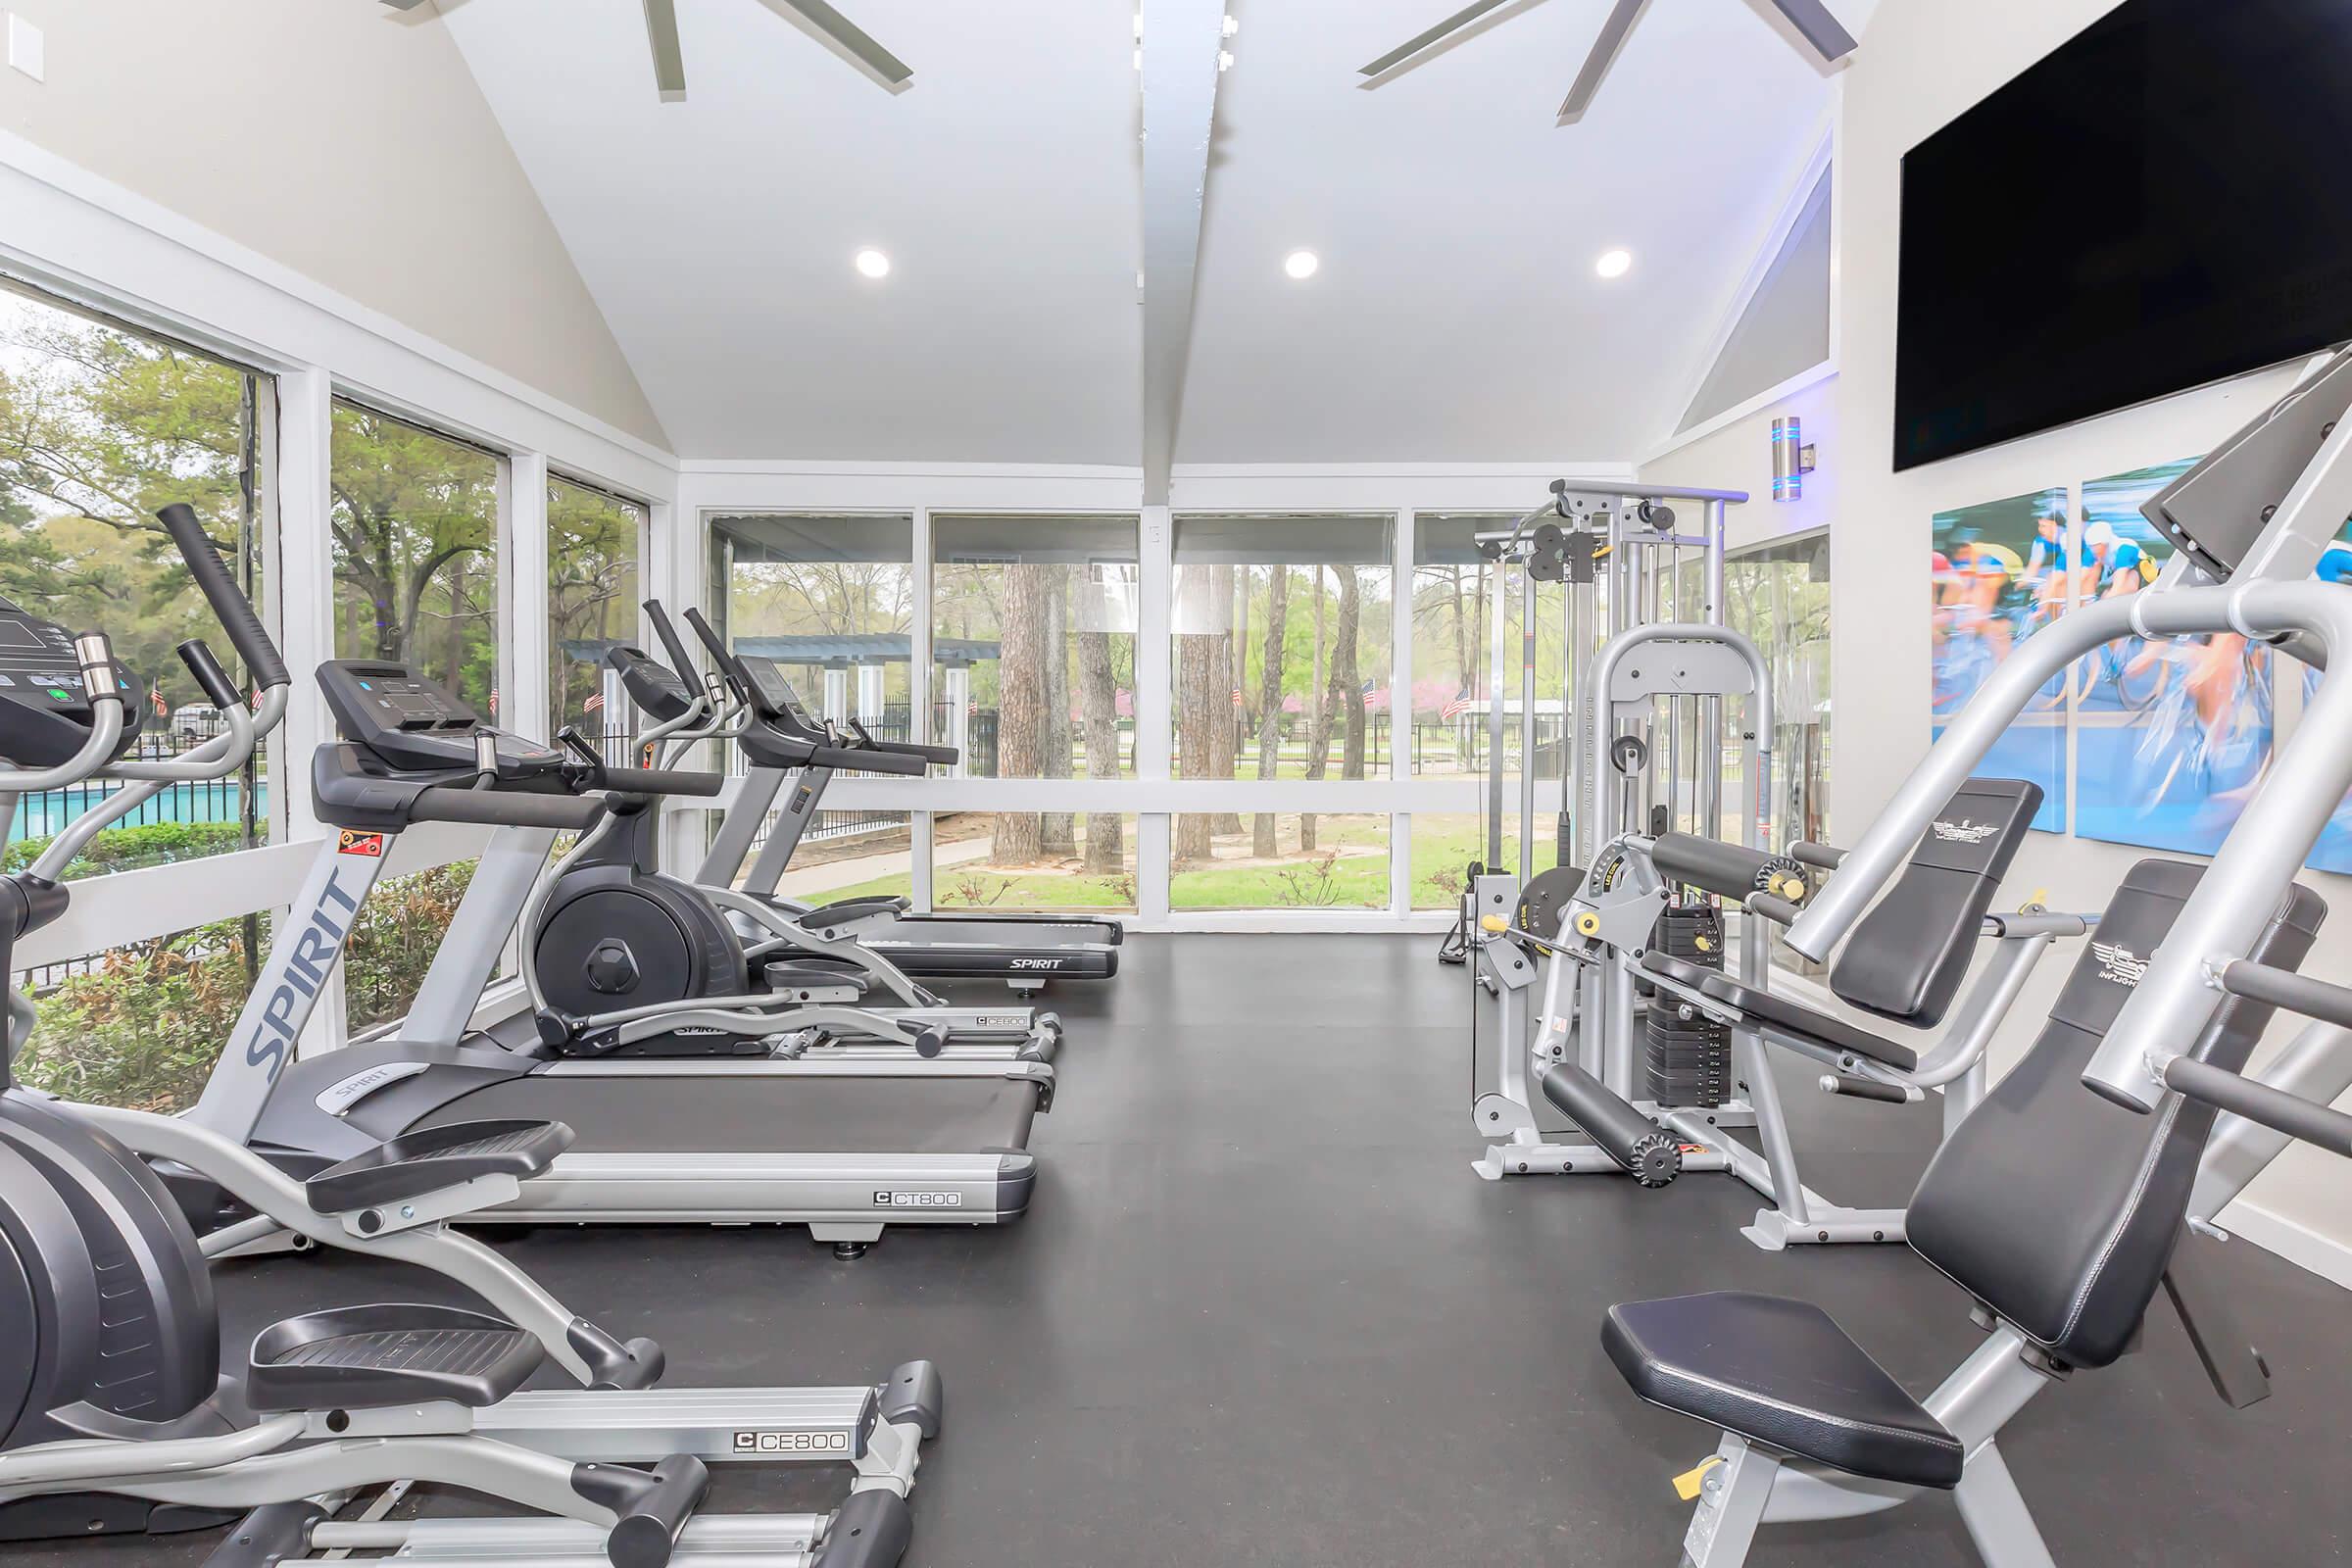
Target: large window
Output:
[(594, 541), (414, 515), (831, 599), (100, 428), (1033, 653), (1453, 619)]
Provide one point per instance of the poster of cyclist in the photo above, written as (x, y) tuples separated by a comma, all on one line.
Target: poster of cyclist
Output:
[(1996, 580), (2171, 737), (2335, 851)]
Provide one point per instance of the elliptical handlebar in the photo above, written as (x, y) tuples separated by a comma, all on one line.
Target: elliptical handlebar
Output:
[(235, 611), (680, 660), (95, 655)]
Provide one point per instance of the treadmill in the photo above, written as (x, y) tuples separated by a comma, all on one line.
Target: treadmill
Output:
[(845, 1147), (778, 738)]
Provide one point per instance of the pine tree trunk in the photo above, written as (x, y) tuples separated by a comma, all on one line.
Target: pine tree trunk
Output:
[(1020, 704), (1346, 689), (1224, 736), (1318, 728), (1196, 664), (1057, 831), (1262, 841), (1099, 710)]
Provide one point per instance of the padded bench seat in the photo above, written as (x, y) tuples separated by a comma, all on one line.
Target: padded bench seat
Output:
[(1780, 1373), (1783, 1014)]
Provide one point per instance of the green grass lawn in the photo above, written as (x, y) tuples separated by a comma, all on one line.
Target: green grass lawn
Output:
[(1355, 880)]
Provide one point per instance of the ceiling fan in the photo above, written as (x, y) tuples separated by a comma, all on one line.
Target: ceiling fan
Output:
[(1810, 18), (669, 62)]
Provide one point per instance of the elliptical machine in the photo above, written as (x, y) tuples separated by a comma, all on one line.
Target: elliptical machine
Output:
[(617, 945), (114, 1415)]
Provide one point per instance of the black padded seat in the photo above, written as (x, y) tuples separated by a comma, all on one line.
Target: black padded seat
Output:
[(1782, 1373), (1784, 1014)]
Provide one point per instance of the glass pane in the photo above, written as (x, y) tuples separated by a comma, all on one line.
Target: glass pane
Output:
[(1033, 643), (593, 540), (1453, 605), (844, 853), (393, 941), (101, 426), (1280, 659), (831, 599), (415, 526), (1033, 860), (1283, 860), (140, 1025), (1446, 843)]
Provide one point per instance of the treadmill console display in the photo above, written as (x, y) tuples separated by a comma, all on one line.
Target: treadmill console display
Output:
[(771, 691), (413, 724), (44, 714), (652, 685)]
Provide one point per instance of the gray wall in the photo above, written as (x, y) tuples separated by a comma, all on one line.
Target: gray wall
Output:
[(1922, 63), (344, 142)]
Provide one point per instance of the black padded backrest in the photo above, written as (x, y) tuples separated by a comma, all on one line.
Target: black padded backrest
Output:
[(2059, 1209), (1907, 956)]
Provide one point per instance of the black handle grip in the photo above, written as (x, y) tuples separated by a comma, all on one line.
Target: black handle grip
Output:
[(663, 781), (676, 646), (727, 661), (1853, 1087), (860, 758), (943, 755), (457, 803), (229, 604), (219, 689), (2256, 1101)]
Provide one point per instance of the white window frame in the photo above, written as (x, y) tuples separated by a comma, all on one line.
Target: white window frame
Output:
[(95, 244), (1400, 491)]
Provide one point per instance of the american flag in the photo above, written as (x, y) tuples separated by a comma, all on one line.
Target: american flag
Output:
[(1237, 697), (493, 702), (1457, 706), (1375, 702), (594, 705), (163, 709)]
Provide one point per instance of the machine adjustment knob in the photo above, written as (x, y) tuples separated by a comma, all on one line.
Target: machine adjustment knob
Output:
[(611, 967)]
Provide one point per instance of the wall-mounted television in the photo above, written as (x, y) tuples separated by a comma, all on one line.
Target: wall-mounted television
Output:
[(2163, 201)]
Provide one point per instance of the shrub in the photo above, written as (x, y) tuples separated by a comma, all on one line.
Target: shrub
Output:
[(123, 848), (142, 1029)]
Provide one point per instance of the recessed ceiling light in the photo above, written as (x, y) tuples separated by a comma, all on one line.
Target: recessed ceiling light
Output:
[(1613, 264), (873, 263), (1301, 263)]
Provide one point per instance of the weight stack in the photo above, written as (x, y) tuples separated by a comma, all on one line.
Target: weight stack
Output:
[(1686, 1061)]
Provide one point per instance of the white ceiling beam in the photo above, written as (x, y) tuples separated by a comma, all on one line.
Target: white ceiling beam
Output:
[(1180, 46)]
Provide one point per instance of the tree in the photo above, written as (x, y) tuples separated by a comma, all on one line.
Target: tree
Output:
[(1098, 714), (1318, 728), (591, 593), (1057, 831), (1262, 841), (1224, 736), (1201, 706), (1022, 703), (1347, 691), (409, 511)]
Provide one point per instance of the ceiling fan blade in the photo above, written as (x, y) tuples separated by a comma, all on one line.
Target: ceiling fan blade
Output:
[(1822, 30), (1414, 45), (847, 33), (1620, 22), (669, 61)]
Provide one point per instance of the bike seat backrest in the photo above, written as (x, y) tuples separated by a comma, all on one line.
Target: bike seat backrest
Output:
[(1908, 956), (88, 1219), (2059, 1209)]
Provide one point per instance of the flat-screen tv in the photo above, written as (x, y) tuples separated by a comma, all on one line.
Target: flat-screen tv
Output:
[(2163, 201)]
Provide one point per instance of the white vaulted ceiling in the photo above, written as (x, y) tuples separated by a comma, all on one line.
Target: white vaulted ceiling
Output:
[(1456, 317)]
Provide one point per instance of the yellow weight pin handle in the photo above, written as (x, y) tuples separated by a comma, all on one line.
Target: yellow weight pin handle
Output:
[(1688, 1483), (1493, 925)]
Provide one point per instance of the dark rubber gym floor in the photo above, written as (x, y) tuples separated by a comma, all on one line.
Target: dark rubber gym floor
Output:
[(1262, 1312)]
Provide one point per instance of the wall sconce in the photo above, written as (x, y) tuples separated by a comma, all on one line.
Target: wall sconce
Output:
[(1791, 459)]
